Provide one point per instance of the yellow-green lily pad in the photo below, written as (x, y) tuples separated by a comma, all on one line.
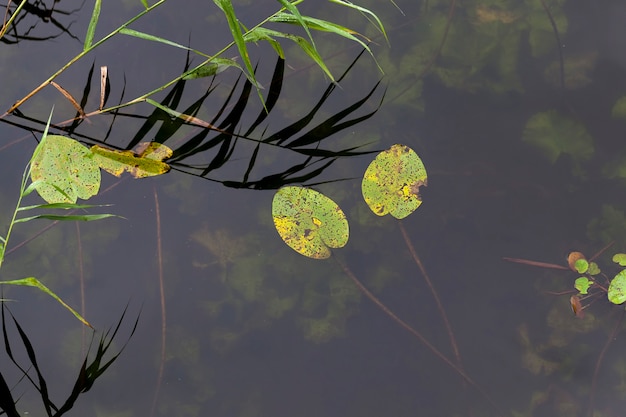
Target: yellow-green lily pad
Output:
[(582, 284), (309, 222), (620, 259), (146, 162), (617, 288), (66, 170), (391, 182)]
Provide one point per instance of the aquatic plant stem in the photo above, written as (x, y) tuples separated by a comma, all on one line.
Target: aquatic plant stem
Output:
[(157, 213), (414, 332), (442, 311)]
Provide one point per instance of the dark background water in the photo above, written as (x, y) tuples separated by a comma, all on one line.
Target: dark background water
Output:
[(489, 195)]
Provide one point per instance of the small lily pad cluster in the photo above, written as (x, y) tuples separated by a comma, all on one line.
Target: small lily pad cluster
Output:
[(616, 291), (312, 224)]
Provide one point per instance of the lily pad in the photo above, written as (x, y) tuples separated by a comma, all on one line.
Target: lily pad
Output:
[(145, 162), (582, 284), (593, 269), (65, 169), (309, 222), (620, 259), (581, 266), (617, 288), (391, 182)]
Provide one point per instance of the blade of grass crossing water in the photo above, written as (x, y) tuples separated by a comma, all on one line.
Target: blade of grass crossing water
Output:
[(296, 13), (34, 282), (93, 22), (369, 14), (261, 33), (235, 28), (148, 37)]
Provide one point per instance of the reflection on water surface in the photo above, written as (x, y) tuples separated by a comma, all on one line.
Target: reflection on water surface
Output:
[(525, 160)]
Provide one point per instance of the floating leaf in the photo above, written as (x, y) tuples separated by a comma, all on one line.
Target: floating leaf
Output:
[(65, 170), (620, 259), (147, 162), (309, 222), (577, 307), (582, 284), (391, 182), (577, 262), (581, 266), (594, 269), (617, 288)]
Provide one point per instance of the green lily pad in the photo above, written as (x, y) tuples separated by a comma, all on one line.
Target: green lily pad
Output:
[(617, 288), (66, 170), (392, 180), (581, 266), (144, 162), (309, 222), (594, 269), (582, 284), (620, 259)]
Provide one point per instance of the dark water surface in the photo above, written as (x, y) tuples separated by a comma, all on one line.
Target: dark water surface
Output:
[(254, 329)]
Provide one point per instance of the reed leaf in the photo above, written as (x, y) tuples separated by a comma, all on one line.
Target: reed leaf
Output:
[(34, 282), (93, 22), (371, 15), (235, 28), (152, 38), (261, 33), (69, 217), (296, 13)]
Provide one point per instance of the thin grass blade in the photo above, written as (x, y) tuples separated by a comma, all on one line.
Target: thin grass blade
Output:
[(213, 67), (296, 13), (262, 34), (367, 12), (69, 217), (326, 26), (34, 282), (93, 22), (308, 48), (64, 206), (152, 38), (235, 28)]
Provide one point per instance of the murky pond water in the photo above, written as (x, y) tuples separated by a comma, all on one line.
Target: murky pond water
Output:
[(525, 160)]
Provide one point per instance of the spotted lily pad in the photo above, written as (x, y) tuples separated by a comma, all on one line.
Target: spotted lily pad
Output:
[(146, 161), (65, 169), (617, 288), (309, 222), (391, 182)]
